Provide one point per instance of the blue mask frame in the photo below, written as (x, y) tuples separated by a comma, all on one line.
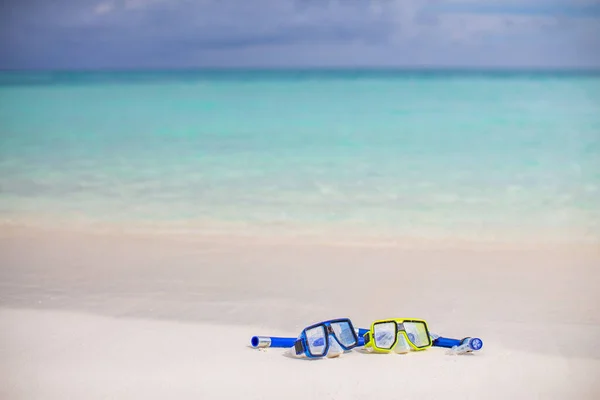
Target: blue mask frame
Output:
[(301, 344)]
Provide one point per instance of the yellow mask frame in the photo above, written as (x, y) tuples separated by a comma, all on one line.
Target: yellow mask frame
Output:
[(370, 342)]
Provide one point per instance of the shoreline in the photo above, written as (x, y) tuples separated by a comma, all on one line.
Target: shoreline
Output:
[(237, 278), (249, 235)]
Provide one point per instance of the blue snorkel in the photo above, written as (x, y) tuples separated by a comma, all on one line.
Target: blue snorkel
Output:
[(465, 345)]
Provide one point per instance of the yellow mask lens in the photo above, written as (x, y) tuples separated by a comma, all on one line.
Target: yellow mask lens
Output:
[(384, 335), (417, 333)]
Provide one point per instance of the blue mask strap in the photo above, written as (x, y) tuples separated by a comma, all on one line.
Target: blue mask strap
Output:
[(299, 347)]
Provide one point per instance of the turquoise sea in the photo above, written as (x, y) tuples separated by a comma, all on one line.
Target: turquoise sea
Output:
[(478, 154)]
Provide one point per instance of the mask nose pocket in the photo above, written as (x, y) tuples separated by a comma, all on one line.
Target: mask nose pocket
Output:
[(335, 350), (402, 346)]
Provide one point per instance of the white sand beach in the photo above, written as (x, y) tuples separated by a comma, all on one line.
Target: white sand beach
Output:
[(128, 316)]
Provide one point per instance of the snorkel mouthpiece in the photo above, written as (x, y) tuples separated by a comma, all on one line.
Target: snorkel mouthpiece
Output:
[(260, 342), (467, 345), (474, 343)]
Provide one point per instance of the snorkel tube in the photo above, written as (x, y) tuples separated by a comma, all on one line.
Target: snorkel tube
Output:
[(262, 342)]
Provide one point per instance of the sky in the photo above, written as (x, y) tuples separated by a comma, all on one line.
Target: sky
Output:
[(113, 34)]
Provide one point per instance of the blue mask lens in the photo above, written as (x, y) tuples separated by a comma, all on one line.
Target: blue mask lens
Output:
[(315, 340), (344, 333)]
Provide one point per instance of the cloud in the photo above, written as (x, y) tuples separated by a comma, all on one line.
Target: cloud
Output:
[(468, 29), (146, 33), (103, 8), (573, 8)]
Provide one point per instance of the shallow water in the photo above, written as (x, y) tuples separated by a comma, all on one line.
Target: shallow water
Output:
[(478, 154)]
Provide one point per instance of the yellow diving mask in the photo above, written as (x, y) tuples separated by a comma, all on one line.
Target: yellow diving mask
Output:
[(398, 335)]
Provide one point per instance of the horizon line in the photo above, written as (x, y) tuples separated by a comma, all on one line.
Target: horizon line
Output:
[(315, 68)]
